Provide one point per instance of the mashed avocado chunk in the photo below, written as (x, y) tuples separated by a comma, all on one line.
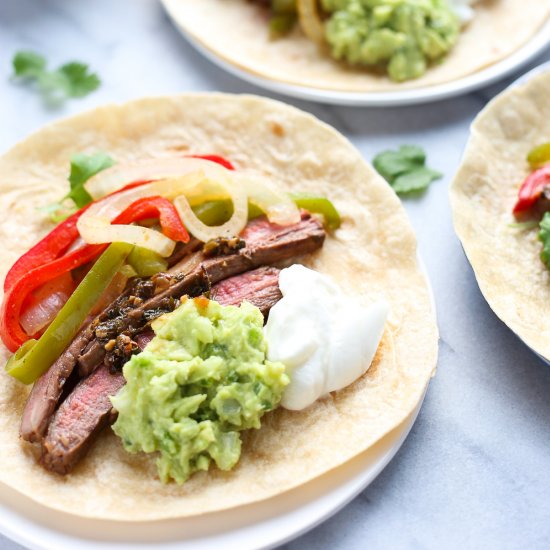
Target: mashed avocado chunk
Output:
[(402, 35), (202, 379)]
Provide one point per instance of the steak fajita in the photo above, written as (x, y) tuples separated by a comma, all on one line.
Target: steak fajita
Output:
[(223, 288)]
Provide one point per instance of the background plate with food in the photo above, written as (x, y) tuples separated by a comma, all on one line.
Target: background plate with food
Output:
[(336, 60), (221, 210), (500, 207)]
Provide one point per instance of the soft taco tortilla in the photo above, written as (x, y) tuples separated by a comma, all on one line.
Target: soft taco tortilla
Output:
[(506, 260), (372, 255), (237, 32)]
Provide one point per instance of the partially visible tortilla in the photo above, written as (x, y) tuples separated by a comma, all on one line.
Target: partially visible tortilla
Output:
[(236, 31), (506, 261), (372, 255)]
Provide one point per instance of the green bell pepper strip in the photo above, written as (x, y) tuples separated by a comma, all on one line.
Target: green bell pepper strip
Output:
[(219, 211), (539, 156), (35, 357), (213, 212), (281, 24), (318, 205), (145, 262)]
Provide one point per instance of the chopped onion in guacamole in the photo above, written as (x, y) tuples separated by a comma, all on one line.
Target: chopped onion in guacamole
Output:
[(201, 380)]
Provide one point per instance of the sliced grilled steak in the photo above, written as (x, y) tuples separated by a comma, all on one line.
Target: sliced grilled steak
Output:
[(143, 338), (266, 243), (79, 418), (48, 388), (47, 391), (87, 410), (260, 287)]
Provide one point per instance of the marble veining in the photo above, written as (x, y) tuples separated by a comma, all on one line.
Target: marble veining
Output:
[(474, 471)]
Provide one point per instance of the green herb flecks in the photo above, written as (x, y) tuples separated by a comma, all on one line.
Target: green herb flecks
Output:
[(405, 169), (72, 79)]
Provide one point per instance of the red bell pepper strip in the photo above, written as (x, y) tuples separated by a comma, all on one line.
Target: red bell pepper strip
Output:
[(10, 329), (215, 158), (156, 207), (531, 190), (47, 260), (53, 245)]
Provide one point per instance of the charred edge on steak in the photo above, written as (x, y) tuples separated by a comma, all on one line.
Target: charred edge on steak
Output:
[(222, 246), (88, 409), (265, 244)]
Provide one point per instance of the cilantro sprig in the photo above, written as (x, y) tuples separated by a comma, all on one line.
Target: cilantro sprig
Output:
[(544, 236), (72, 79), (405, 169), (83, 167)]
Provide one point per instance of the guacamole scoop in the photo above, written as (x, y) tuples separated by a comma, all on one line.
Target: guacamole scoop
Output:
[(199, 382), (402, 36)]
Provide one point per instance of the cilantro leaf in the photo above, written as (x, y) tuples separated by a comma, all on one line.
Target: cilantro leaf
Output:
[(78, 80), (544, 236), (72, 79), (83, 167), (405, 169), (414, 153), (28, 64), (391, 164), (415, 180)]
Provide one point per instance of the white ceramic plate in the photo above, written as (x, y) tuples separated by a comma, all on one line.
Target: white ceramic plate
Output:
[(260, 525), (427, 94)]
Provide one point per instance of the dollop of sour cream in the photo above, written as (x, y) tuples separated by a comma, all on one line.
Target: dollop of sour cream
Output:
[(325, 339), (464, 9)]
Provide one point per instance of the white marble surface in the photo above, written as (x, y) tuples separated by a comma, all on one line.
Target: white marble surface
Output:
[(475, 470)]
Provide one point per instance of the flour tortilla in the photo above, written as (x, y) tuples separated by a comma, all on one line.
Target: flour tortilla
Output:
[(372, 255), (236, 31), (506, 261)]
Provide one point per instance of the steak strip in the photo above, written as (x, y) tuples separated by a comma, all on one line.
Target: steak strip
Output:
[(263, 281), (88, 409), (79, 419)]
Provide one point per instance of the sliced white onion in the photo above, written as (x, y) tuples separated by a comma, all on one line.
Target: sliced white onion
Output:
[(310, 20), (278, 207), (203, 232), (95, 226), (45, 303), (119, 175), (187, 181)]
